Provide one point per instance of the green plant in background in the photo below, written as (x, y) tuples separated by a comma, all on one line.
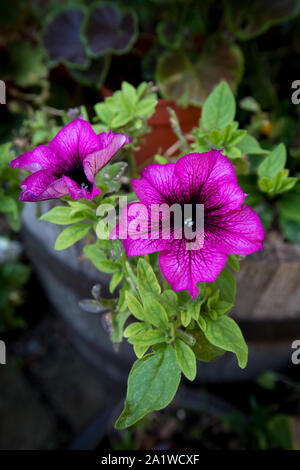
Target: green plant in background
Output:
[(265, 427), (52, 52), (9, 188), (13, 273), (262, 173), (13, 276)]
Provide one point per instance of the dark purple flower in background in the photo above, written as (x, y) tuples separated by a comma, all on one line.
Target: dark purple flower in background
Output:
[(69, 163), (230, 227)]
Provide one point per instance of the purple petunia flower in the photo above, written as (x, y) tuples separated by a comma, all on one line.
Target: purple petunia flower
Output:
[(69, 163), (230, 227)]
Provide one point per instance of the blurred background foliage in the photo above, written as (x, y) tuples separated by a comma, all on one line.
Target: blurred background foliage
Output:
[(60, 53)]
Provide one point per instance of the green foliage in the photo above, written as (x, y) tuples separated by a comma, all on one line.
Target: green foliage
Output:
[(99, 259), (219, 108), (167, 319), (262, 429), (128, 108), (13, 276), (273, 178), (84, 39), (186, 359), (189, 82), (218, 129), (109, 178), (261, 172), (288, 210), (249, 19), (152, 384), (63, 215), (224, 333), (9, 188), (71, 235)]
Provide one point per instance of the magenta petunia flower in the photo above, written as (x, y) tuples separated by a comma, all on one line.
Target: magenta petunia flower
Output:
[(69, 163), (230, 227)]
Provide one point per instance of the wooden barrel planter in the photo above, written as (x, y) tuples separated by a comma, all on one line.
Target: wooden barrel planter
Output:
[(267, 306)]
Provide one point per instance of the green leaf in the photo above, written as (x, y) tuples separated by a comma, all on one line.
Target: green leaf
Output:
[(147, 338), (104, 112), (128, 96), (108, 29), (71, 235), (186, 359), (6, 155), (203, 349), (250, 104), (221, 307), (219, 108), (194, 307), (201, 322), (249, 19), (290, 229), (118, 321), (99, 259), (146, 107), (152, 384), (146, 278), (155, 312), (169, 301), (236, 137), (185, 318), (62, 215), (159, 159), (189, 81), (27, 62), (225, 334), (132, 279), (135, 306), (266, 184), (281, 432), (250, 146), (140, 350), (110, 175), (227, 284), (133, 329), (233, 262), (286, 184), (289, 207), (8, 205), (115, 281), (273, 163), (233, 153)]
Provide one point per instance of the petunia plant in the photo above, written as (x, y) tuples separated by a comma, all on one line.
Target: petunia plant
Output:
[(171, 238)]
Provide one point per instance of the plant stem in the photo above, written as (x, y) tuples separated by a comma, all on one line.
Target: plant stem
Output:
[(177, 130)]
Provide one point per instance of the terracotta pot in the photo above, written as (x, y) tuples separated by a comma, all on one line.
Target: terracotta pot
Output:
[(162, 137)]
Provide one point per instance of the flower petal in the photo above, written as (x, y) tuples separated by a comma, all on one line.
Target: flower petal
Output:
[(183, 269), (41, 158), (108, 145), (223, 198), (73, 143), (76, 192), (134, 229), (158, 185), (239, 232), (199, 171), (42, 185)]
